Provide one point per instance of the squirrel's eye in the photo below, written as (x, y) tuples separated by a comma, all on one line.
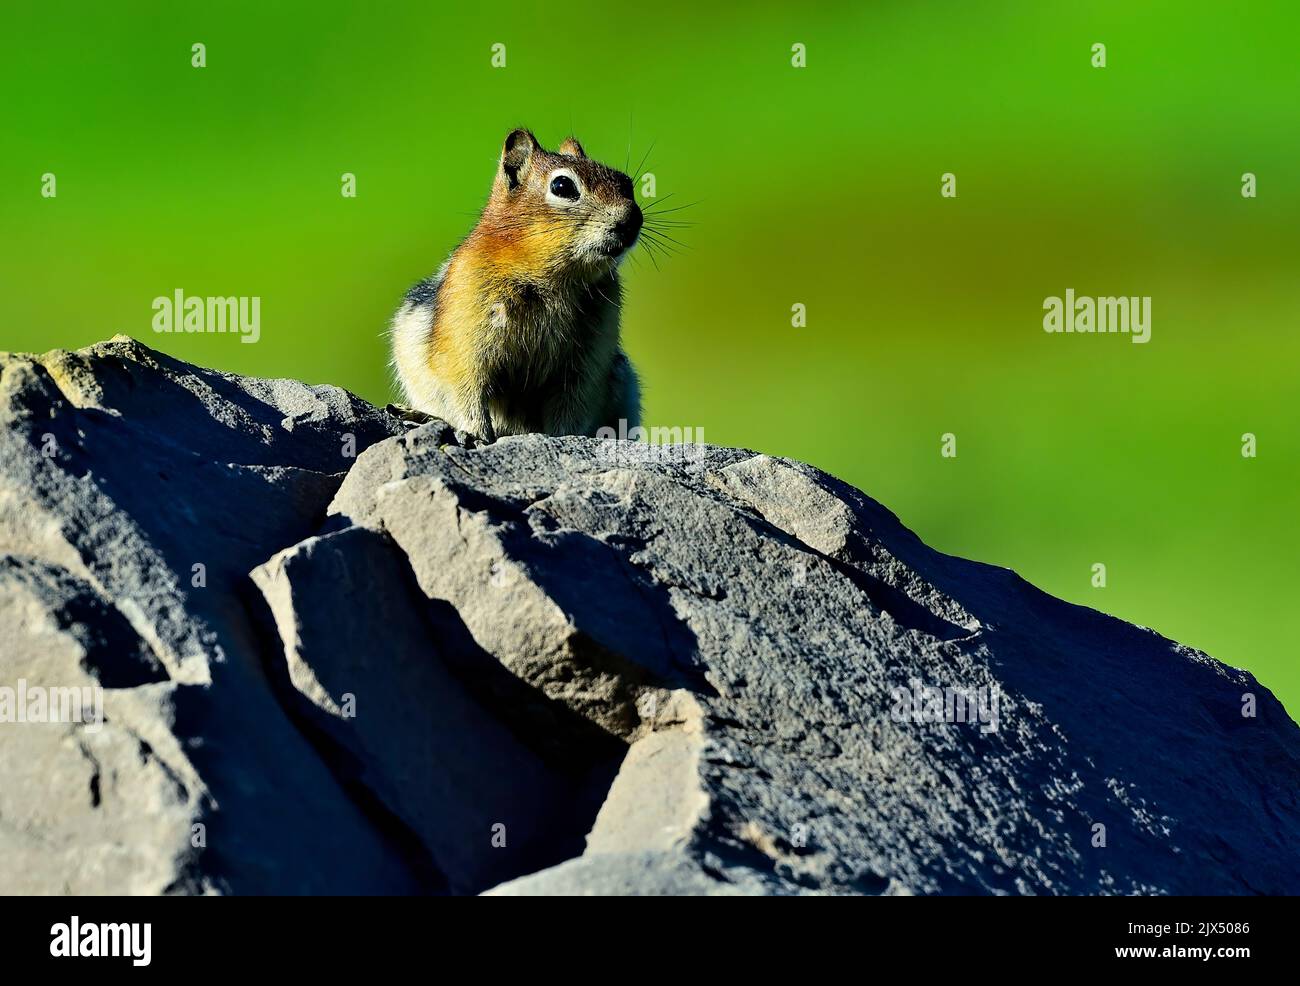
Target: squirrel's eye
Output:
[(562, 186)]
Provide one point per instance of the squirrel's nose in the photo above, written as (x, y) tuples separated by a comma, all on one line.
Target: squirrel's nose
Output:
[(628, 227)]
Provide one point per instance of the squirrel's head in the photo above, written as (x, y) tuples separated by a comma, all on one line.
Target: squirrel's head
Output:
[(562, 210)]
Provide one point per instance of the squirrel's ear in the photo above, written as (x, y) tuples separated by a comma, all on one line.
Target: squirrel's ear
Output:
[(572, 148), (516, 155)]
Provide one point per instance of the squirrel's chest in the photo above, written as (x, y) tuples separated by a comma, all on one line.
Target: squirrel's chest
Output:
[(536, 365), (545, 360), (534, 335)]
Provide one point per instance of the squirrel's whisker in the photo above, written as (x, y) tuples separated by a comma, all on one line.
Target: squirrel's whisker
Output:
[(663, 240), (677, 208), (644, 157)]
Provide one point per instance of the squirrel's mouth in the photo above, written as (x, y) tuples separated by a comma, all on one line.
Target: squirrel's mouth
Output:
[(621, 238), (612, 247), (616, 239)]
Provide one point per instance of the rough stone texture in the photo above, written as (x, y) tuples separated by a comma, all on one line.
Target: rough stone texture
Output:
[(121, 469), (553, 666)]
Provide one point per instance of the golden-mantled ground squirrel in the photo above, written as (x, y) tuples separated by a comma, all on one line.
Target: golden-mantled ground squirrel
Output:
[(518, 330)]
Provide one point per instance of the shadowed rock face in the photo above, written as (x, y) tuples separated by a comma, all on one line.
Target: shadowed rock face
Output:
[(339, 656)]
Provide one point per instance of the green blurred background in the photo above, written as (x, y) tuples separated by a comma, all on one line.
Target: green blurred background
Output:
[(817, 185)]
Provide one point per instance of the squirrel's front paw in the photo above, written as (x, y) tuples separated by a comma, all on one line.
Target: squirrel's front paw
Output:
[(467, 439), (409, 416)]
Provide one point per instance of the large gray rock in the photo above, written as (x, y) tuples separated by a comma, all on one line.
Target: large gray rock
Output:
[(563, 666), (121, 470)]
